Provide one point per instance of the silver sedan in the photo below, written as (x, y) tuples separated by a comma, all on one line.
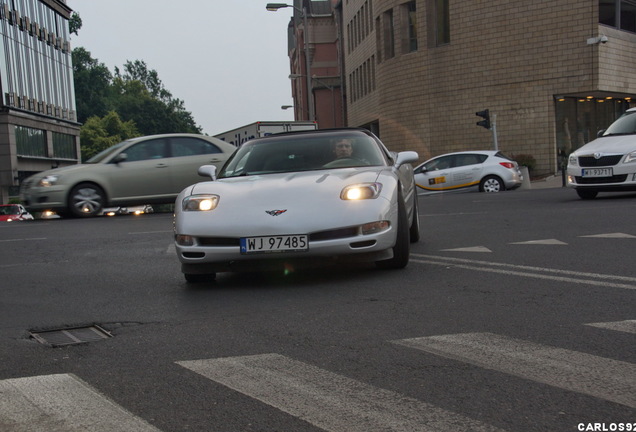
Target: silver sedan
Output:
[(299, 199)]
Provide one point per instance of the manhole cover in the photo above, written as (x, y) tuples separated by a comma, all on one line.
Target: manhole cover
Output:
[(71, 336)]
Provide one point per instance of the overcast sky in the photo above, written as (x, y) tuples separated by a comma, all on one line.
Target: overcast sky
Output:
[(227, 60)]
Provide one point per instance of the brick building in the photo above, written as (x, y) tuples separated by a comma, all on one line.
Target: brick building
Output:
[(38, 127), (551, 73)]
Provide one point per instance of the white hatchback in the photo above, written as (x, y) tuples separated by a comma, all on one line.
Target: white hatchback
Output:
[(607, 164), (486, 171)]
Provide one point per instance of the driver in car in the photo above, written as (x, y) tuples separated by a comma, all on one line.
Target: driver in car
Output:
[(343, 148)]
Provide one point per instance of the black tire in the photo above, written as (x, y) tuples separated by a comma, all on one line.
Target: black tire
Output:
[(414, 230), (490, 184), (586, 194), (200, 278), (402, 248), (86, 200)]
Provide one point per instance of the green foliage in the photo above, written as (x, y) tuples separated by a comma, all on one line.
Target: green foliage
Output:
[(99, 133), (74, 23), (526, 160), (137, 96)]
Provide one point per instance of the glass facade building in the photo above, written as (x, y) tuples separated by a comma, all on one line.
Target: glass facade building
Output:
[(38, 119)]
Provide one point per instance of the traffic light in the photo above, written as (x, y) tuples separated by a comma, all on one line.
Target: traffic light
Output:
[(485, 114)]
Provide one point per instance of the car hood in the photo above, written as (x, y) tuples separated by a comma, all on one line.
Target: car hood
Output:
[(310, 202), (270, 185), (620, 144)]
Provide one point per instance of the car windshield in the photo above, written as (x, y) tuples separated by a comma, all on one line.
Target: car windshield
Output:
[(625, 125), (9, 210), (104, 154), (298, 152)]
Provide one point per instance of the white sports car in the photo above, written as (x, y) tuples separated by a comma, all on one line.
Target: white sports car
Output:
[(299, 199)]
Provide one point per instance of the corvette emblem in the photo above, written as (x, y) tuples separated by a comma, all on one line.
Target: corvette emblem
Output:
[(275, 212)]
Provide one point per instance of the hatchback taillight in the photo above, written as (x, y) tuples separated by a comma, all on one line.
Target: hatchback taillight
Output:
[(509, 165)]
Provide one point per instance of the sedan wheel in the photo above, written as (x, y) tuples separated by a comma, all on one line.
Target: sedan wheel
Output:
[(86, 200), (491, 184)]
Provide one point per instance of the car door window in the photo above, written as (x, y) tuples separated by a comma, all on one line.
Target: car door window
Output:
[(151, 149), (186, 146), (468, 159)]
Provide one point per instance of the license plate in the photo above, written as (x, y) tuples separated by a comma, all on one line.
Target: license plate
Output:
[(597, 172), (282, 243)]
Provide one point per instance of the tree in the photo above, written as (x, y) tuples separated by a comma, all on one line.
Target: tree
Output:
[(99, 133), (92, 82), (74, 23), (136, 95)]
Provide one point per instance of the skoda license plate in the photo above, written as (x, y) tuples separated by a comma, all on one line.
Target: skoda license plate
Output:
[(282, 243), (597, 172)]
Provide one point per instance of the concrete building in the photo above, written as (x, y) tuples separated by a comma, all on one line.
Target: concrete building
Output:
[(551, 74), (38, 126)]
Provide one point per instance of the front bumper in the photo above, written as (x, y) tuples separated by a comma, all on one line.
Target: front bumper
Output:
[(223, 254)]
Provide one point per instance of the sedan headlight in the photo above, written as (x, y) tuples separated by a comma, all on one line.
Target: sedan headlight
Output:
[(573, 160), (631, 157), (361, 191), (200, 202), (49, 180)]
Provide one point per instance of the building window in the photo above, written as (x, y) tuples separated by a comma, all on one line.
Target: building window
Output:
[(409, 41), (387, 34), (442, 22), (620, 14), (30, 142), (63, 146)]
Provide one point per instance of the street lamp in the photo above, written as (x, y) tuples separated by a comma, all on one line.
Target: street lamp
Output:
[(273, 7)]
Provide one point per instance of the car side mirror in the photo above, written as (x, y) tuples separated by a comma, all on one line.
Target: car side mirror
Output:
[(121, 157), (406, 157), (600, 133), (208, 171)]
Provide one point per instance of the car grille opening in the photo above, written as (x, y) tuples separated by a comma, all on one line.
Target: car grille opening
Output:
[(334, 234), (601, 180), (591, 161)]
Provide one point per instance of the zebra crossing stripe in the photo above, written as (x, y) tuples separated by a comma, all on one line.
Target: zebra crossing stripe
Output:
[(327, 400), (627, 326), (600, 377), (61, 403)]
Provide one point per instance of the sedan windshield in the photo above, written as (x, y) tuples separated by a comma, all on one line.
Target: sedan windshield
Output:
[(104, 154), (300, 152), (625, 125)]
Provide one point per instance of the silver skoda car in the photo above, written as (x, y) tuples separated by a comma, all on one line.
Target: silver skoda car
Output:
[(607, 164)]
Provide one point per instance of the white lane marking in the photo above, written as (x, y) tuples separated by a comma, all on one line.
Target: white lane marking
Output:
[(529, 271), (600, 377), (469, 249), (541, 242), (610, 235), (23, 239), (327, 400), (62, 403), (627, 326)]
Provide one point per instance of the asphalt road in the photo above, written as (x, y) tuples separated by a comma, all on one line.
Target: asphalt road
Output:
[(517, 312)]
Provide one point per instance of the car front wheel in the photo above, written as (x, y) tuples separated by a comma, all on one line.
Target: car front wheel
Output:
[(86, 200), (491, 184)]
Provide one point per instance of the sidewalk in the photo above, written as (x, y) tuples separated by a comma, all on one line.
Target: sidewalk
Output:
[(553, 181)]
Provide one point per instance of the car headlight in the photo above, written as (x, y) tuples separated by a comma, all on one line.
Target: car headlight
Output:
[(200, 202), (573, 160), (49, 180), (361, 191), (631, 157)]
